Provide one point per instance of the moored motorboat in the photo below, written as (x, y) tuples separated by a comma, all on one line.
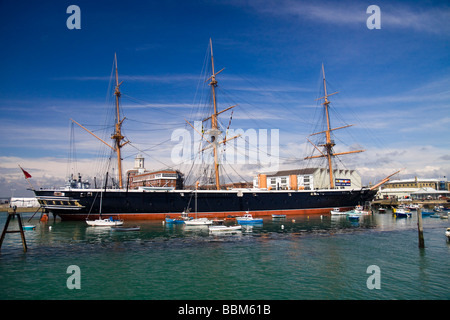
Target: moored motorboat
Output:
[(179, 220), (413, 206), (360, 210), (401, 210), (337, 211), (248, 219), (426, 213), (447, 233), (402, 213), (198, 222)]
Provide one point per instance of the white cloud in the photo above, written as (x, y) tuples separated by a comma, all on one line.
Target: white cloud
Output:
[(424, 161), (352, 13)]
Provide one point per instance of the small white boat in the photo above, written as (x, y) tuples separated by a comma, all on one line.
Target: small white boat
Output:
[(27, 227), (447, 233), (224, 229), (337, 211), (104, 222), (198, 222), (359, 210)]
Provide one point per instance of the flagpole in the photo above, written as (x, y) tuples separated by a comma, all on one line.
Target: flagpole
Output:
[(27, 176)]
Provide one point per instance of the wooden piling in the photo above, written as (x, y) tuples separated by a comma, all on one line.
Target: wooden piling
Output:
[(420, 228), (5, 229)]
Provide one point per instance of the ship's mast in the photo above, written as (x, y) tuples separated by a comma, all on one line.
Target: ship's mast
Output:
[(117, 135), (215, 132), (329, 144)]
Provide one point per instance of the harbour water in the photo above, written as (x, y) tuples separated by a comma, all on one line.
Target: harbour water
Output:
[(300, 257)]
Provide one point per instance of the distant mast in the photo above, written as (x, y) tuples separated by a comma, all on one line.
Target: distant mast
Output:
[(329, 144)]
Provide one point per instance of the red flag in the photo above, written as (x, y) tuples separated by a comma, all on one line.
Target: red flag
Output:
[(27, 175)]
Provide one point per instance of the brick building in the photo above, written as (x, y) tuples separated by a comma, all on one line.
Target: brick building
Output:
[(139, 177)]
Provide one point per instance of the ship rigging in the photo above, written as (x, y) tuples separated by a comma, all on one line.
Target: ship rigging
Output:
[(117, 135), (157, 203), (214, 133), (327, 150)]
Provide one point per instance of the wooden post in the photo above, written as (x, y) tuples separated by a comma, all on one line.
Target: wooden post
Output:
[(5, 229), (420, 228)]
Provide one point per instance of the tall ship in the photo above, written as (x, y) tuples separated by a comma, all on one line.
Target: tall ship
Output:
[(78, 200)]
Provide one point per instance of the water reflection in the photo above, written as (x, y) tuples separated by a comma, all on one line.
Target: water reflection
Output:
[(58, 232)]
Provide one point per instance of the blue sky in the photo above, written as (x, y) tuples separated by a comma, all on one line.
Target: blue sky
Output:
[(393, 82)]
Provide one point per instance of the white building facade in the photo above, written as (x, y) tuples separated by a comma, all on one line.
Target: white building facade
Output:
[(307, 179)]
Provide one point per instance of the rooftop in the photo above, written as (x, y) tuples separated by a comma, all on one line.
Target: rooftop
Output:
[(292, 172), (300, 172), (412, 180)]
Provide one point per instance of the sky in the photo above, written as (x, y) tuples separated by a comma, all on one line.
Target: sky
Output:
[(393, 83)]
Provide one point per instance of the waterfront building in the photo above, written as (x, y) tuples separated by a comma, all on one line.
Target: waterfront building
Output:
[(140, 177), (415, 189), (24, 203), (437, 184), (307, 179)]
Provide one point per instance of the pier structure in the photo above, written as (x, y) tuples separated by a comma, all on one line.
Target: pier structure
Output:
[(5, 229)]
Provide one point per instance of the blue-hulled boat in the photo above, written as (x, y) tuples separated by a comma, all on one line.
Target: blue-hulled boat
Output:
[(402, 212), (179, 220), (248, 219)]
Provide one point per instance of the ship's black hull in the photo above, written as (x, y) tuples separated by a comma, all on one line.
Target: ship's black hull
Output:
[(78, 204)]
